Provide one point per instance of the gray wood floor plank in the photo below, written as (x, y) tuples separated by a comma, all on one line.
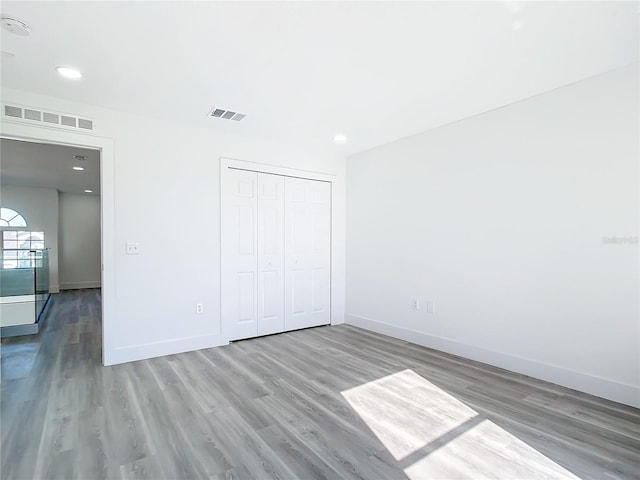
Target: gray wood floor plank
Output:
[(326, 403), (95, 457), (343, 453), (176, 449), (301, 460), (244, 448)]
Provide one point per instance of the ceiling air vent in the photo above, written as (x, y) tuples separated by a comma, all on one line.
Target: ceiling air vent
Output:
[(32, 114), (50, 118), (62, 120), (10, 111), (68, 121), (226, 114), (86, 124)]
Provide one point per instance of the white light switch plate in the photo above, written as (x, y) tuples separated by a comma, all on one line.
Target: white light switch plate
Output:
[(133, 248)]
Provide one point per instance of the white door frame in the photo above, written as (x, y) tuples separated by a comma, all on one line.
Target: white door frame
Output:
[(41, 134), (230, 163)]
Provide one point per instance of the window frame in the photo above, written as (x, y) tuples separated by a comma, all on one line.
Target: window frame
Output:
[(22, 259), (8, 215)]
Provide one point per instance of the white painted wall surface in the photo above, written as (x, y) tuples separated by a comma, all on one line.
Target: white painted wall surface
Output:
[(79, 246), (167, 198), (499, 219), (39, 207)]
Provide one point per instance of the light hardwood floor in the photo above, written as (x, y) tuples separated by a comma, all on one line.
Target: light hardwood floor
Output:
[(330, 402)]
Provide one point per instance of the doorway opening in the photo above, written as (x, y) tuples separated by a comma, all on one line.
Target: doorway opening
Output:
[(22, 131), (50, 243)]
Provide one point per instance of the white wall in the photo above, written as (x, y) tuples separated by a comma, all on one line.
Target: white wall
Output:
[(499, 219), (167, 198), (39, 207), (79, 246)]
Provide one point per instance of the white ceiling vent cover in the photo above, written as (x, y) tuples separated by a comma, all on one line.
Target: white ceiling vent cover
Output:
[(225, 114), (47, 117)]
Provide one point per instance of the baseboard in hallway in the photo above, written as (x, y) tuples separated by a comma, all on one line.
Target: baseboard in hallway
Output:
[(79, 285)]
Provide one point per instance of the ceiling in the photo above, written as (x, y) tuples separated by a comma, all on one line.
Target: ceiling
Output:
[(305, 71), (42, 165)]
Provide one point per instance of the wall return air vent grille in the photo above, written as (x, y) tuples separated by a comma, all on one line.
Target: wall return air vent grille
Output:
[(49, 118), (226, 114)]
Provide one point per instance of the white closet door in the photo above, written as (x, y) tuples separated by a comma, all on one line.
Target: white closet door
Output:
[(270, 254), (307, 253), (239, 247)]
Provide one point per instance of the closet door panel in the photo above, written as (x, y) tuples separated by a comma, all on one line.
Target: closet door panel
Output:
[(307, 253), (246, 297), (270, 262), (239, 246), (319, 291), (320, 252)]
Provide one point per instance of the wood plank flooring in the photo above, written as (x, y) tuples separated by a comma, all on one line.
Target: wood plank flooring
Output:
[(325, 403)]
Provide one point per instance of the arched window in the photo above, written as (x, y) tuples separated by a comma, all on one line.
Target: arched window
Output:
[(11, 218), (19, 248)]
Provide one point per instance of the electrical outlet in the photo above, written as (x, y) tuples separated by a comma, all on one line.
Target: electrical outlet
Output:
[(199, 308), (431, 308), (133, 248), (415, 304)]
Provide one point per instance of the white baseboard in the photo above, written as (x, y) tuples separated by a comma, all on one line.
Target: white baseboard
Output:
[(132, 353), (77, 285), (594, 385)]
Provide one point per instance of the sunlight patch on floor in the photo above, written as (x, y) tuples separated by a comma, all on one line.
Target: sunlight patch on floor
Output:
[(406, 411), (486, 451), (431, 434)]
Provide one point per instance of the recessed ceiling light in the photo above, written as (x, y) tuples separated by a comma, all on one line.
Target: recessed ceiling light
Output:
[(68, 72), (78, 168), (340, 138), (88, 191)]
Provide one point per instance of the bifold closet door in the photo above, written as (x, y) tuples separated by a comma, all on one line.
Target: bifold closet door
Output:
[(276, 253), (270, 254), (307, 253), (239, 243)]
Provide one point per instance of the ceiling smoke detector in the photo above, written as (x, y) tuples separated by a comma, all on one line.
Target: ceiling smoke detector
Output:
[(15, 26), (226, 114)]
